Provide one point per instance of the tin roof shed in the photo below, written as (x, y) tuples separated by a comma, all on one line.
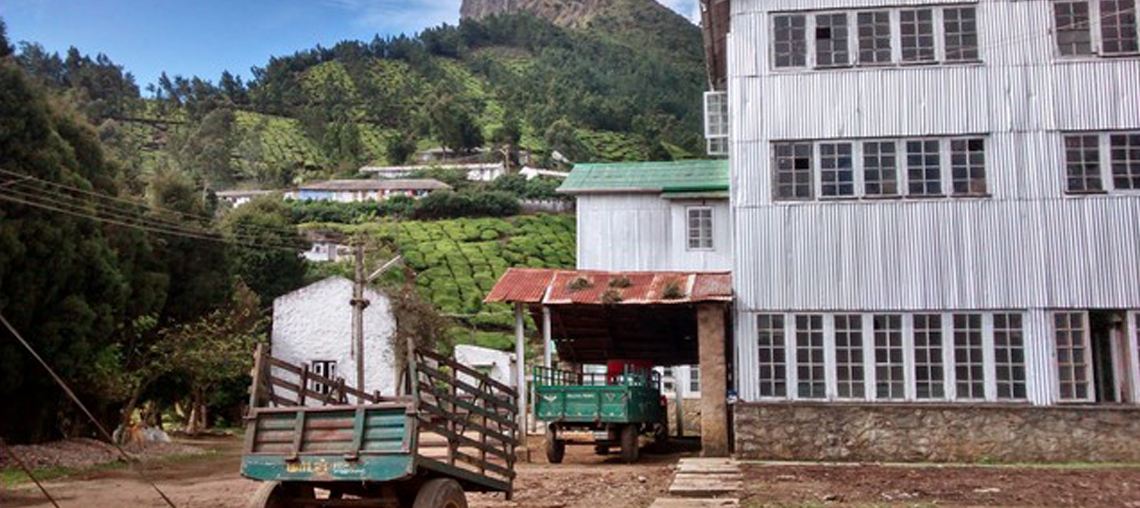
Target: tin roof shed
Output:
[(669, 178)]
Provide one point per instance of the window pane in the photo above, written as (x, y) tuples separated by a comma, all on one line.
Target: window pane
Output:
[(700, 228), (831, 40), (770, 345), (880, 168), (889, 377), (1009, 354), (968, 166), (694, 378), (924, 171), (961, 26), (1082, 163), (836, 170), (811, 383), (789, 44), (1125, 160), (1072, 367), (793, 175), (928, 371), (1118, 27), (917, 27), (716, 114), (968, 364), (849, 356), (874, 37), (1074, 33)]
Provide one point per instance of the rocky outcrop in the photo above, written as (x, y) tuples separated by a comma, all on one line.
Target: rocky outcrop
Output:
[(566, 13)]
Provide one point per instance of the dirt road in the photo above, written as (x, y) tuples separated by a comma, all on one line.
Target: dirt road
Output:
[(583, 480)]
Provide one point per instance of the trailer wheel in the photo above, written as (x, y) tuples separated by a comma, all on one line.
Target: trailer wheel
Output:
[(279, 495), (554, 448), (629, 449), (441, 493), (602, 449)]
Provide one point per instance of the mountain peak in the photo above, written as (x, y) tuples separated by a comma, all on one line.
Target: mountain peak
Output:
[(565, 13)]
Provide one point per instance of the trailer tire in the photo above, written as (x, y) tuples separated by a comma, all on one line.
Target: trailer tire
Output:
[(629, 451), (278, 495), (602, 449), (554, 448), (441, 493)]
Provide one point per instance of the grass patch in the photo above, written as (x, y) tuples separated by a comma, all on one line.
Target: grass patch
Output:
[(14, 476)]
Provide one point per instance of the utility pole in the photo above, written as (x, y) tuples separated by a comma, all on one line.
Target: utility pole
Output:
[(358, 305)]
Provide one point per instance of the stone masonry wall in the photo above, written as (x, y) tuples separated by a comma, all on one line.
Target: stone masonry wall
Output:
[(691, 416), (937, 433)]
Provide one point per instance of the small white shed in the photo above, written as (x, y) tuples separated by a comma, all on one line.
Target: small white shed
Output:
[(500, 365), (313, 326)]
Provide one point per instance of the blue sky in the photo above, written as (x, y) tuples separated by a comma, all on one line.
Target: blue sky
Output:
[(205, 37)]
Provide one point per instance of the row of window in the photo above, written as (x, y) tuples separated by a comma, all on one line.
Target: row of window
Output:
[(928, 35), (1096, 27), (1102, 162), (923, 167), (892, 356), (906, 36)]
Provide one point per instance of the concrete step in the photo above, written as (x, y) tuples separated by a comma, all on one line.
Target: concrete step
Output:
[(708, 466), (705, 485), (676, 502)]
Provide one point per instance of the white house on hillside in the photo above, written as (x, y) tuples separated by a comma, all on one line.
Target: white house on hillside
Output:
[(348, 191), (313, 326)]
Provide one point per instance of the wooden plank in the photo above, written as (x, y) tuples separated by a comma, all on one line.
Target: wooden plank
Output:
[(281, 401), (293, 387), (298, 433), (498, 418), (490, 466), (463, 440), (284, 365), (489, 432), (507, 390), (358, 432), (468, 388)]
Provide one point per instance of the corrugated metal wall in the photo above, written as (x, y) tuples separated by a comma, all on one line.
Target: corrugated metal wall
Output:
[(1029, 246), (645, 232)]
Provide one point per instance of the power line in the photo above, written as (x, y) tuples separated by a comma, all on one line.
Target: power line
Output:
[(74, 398)]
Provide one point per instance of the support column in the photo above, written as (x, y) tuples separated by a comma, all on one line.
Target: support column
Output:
[(714, 380), (520, 379), (547, 338)]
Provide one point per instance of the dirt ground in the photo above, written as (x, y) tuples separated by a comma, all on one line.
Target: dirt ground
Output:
[(931, 486), (583, 480)]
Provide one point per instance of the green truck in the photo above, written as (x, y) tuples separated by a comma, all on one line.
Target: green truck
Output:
[(603, 410), (313, 441)]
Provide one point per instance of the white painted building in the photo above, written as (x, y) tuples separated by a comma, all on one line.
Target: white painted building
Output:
[(500, 365), (313, 326), (652, 216), (351, 191), (931, 200)]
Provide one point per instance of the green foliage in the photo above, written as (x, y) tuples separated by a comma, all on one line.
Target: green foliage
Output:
[(5, 47), (273, 268), (207, 152), (453, 124), (401, 148), (448, 204), (536, 188), (349, 213)]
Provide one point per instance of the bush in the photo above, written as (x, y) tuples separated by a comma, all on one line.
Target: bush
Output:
[(447, 204)]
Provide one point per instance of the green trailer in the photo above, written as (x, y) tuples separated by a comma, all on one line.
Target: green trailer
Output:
[(313, 441), (601, 410)]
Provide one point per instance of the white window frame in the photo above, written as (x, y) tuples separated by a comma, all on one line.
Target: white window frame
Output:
[(782, 361), (702, 235), (794, 366), (903, 321), (833, 349), (717, 124), (935, 382), (1024, 381), (1133, 330), (321, 368), (1103, 160), (985, 379), (1086, 354), (1096, 33)]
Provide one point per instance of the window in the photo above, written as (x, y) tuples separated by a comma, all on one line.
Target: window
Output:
[(849, 356), (700, 230), (924, 171), (831, 40), (793, 173), (326, 368), (1124, 152), (811, 383), (1009, 356), (836, 170), (928, 372), (667, 385), (968, 166), (890, 382), (969, 367), (1074, 365), (1118, 27), (880, 169), (694, 379), (1074, 31), (789, 41), (961, 29), (1082, 163), (917, 28), (874, 38), (770, 343), (716, 122)]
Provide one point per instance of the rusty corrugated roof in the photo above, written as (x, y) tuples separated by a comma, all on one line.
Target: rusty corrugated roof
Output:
[(559, 287)]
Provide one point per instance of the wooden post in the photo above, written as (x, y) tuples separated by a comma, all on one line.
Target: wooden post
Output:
[(304, 384), (358, 305), (714, 380), (678, 405), (257, 375), (547, 337), (520, 367)]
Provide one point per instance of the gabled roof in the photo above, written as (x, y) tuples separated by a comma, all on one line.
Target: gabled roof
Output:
[(708, 175), (590, 287), (372, 185)]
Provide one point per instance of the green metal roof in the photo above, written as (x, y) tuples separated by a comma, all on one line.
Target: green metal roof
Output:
[(670, 177)]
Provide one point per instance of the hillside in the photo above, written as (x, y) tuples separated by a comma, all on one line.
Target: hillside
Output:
[(623, 81)]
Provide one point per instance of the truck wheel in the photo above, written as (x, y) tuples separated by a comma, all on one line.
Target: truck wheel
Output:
[(554, 448), (602, 450), (441, 493), (629, 449), (279, 495)]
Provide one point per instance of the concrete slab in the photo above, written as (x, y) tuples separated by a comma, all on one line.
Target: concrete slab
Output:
[(677, 502), (704, 485), (708, 466)]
